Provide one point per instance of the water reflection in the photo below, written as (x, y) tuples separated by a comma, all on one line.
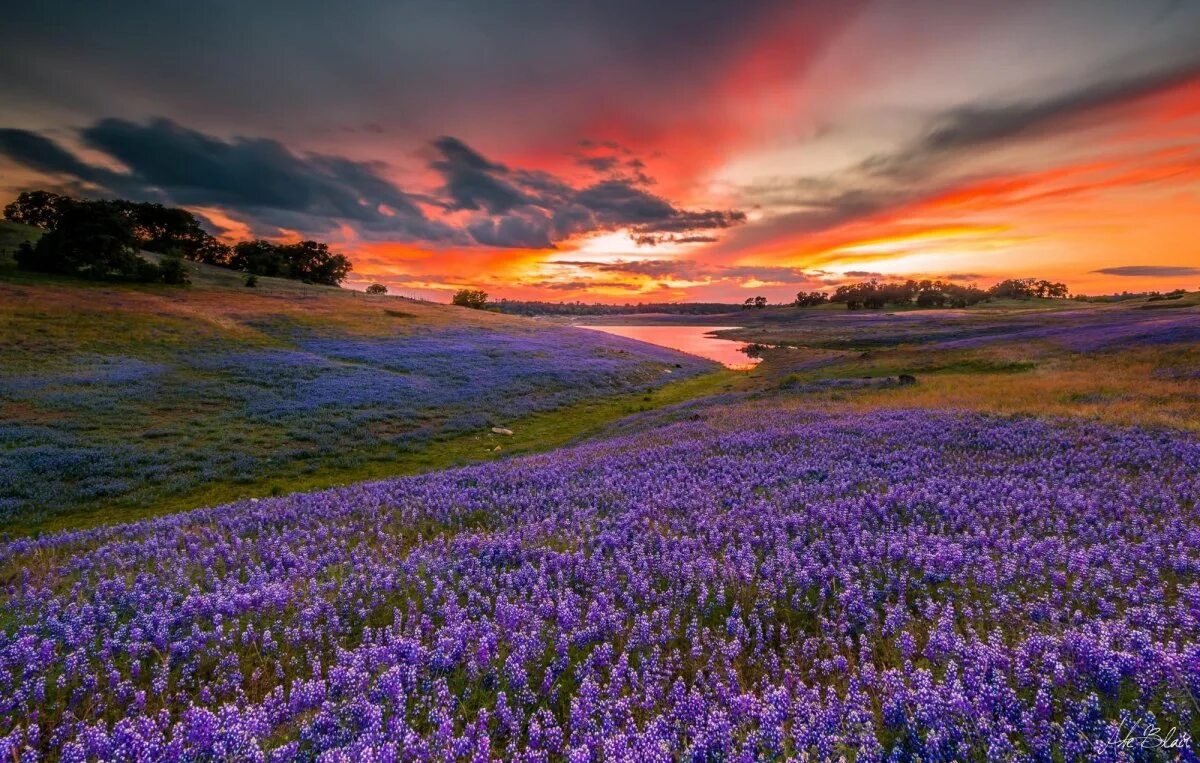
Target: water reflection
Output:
[(694, 340)]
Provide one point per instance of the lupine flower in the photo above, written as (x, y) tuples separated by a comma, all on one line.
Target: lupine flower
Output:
[(746, 586)]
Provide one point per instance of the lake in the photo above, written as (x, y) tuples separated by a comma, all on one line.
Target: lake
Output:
[(695, 340)]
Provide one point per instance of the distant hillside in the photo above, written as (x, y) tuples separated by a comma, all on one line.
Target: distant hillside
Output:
[(119, 398)]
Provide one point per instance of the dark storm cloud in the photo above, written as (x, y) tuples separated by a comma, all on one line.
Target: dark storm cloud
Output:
[(572, 219), (44, 155), (619, 203), (258, 180), (527, 228), (1149, 270), (255, 174), (687, 220), (472, 182), (272, 188), (534, 210)]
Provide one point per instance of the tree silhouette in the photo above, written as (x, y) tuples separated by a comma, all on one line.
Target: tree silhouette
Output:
[(473, 298), (38, 208)]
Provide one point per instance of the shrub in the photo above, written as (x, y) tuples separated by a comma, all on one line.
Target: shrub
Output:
[(146, 271), (251, 281), (376, 288), (473, 298), (173, 271), (25, 256)]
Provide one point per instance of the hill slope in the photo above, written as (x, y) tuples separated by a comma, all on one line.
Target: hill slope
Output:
[(748, 585), (116, 399)]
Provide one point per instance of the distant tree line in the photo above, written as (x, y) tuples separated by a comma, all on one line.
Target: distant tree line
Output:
[(871, 294), (100, 239), (1028, 288), (810, 298), (1150, 296), (533, 307), (874, 295)]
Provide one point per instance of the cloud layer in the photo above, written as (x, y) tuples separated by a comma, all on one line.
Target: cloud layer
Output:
[(688, 270), (534, 210), (262, 182), (692, 149), (1152, 271)]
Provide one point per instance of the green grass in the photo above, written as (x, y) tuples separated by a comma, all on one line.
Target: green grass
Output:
[(189, 422), (537, 433), (47, 320), (1127, 383), (1168, 305), (922, 362), (12, 235)]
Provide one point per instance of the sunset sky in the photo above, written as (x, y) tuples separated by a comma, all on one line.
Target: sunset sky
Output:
[(623, 150)]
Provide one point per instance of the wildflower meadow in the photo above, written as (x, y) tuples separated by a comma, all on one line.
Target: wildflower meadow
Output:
[(741, 585)]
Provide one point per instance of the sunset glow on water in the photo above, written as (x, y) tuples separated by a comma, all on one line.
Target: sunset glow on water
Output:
[(694, 340)]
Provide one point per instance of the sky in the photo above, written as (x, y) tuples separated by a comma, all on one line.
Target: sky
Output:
[(625, 151)]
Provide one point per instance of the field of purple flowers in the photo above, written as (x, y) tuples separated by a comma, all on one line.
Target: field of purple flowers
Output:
[(84, 429), (897, 585)]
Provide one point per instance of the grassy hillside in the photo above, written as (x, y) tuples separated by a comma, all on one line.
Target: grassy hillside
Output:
[(1071, 324), (13, 235), (745, 585), (117, 401), (1136, 362), (1132, 363), (811, 560)]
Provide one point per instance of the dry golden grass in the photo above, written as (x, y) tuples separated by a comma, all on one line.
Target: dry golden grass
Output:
[(233, 310), (1154, 387)]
